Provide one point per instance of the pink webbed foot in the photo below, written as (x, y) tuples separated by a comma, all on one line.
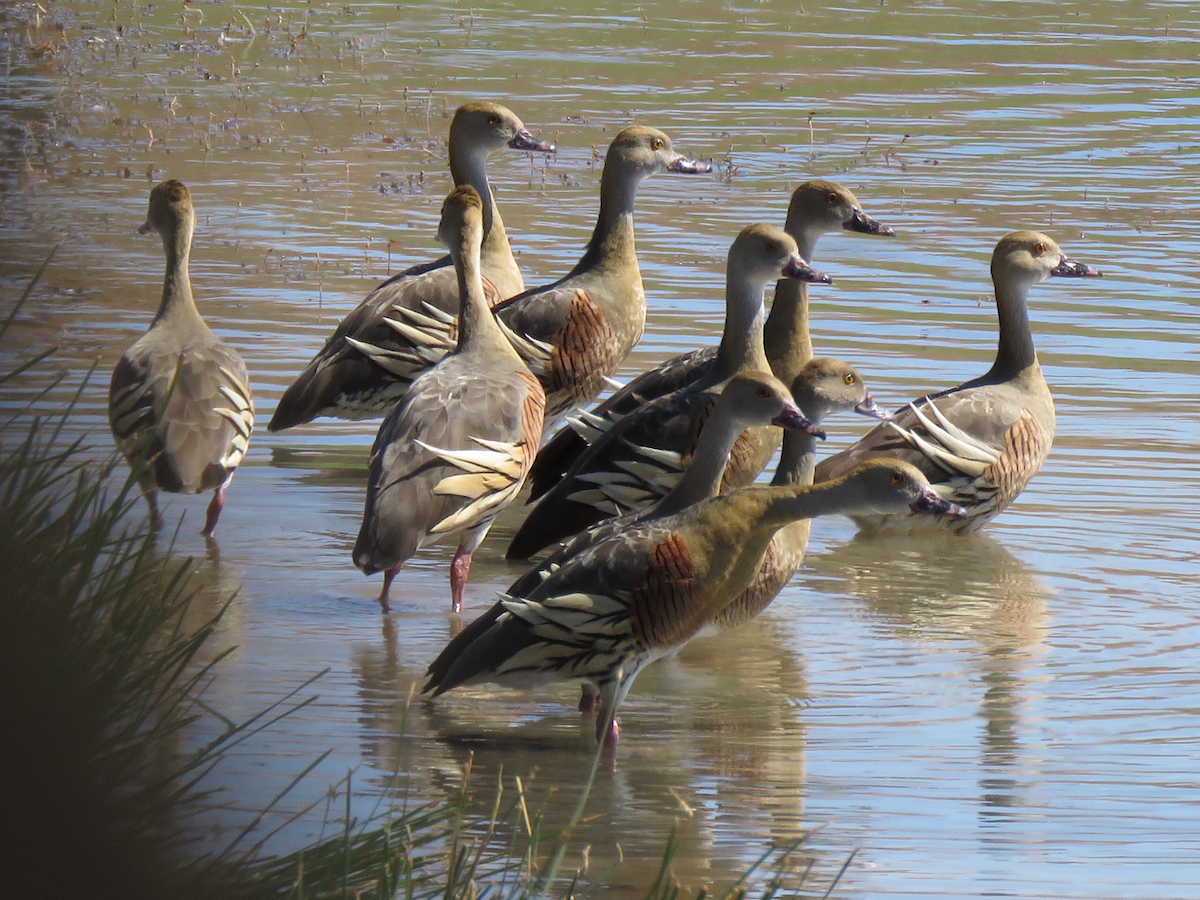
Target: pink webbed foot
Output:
[(214, 512), (460, 570)]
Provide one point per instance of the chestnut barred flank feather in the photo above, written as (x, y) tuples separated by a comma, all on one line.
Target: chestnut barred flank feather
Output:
[(585, 351), (1026, 446), (659, 609)]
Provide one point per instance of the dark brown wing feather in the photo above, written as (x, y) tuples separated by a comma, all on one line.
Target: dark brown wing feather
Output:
[(341, 380), (670, 424), (561, 451)]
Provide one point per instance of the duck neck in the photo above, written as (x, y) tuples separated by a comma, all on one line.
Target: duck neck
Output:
[(783, 504), (471, 168), (742, 341), (787, 339), (496, 253), (177, 301), (728, 534), (1015, 353), (613, 239), (731, 532), (797, 463), (797, 460), (701, 480), (477, 327)]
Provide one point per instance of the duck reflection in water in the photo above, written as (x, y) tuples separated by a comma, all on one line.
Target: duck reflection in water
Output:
[(722, 755), (936, 586)]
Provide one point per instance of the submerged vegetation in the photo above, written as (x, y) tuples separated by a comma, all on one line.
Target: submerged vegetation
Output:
[(102, 674)]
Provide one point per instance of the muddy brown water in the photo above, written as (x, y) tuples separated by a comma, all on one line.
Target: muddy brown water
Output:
[(1014, 713)]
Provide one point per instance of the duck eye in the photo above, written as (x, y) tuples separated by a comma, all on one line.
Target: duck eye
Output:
[(493, 119), (848, 378), (772, 247), (763, 393), (657, 144), (897, 477), (1039, 248), (833, 199)]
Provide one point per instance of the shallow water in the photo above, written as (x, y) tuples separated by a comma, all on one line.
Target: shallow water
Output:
[(1012, 714)]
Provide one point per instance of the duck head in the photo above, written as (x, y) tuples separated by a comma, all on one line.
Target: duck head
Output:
[(1025, 258), (891, 486), (819, 207), (762, 253), (170, 208), (489, 126)]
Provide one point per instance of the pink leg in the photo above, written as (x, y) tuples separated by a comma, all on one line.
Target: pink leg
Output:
[(388, 575), (214, 512), (460, 570), (607, 729)]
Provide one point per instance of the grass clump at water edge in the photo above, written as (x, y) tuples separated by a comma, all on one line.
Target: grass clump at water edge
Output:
[(101, 673)]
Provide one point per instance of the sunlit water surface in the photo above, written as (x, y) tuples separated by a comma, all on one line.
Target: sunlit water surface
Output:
[(1011, 714)]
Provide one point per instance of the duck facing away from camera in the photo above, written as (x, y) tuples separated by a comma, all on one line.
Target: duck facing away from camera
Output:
[(179, 402)]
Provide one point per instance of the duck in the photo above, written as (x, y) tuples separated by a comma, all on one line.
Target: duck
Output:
[(638, 459), (748, 400), (576, 332), (179, 401), (981, 442), (817, 207), (357, 375), (641, 594), (456, 449), (823, 387)]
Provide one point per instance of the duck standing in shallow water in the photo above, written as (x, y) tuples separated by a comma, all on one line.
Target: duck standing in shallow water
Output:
[(640, 595), (981, 442), (179, 403), (457, 448), (358, 374)]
